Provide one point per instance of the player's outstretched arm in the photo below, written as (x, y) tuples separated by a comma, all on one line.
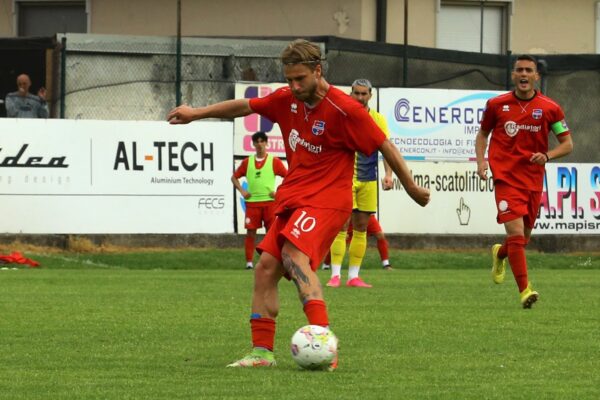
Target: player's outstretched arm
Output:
[(391, 154), (226, 109)]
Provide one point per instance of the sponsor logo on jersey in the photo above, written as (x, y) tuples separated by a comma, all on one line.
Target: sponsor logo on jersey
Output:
[(318, 128), (294, 140), (536, 113), (512, 128), (506, 107)]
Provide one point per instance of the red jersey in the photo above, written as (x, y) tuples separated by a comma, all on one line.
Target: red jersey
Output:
[(519, 129), (278, 167), (320, 143)]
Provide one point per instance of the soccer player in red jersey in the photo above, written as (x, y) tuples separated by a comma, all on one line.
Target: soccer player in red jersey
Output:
[(260, 170), (520, 122), (322, 128)]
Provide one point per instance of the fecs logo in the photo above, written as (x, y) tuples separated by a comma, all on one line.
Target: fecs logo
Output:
[(211, 202)]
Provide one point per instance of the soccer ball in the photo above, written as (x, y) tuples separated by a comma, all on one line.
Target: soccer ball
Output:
[(314, 347)]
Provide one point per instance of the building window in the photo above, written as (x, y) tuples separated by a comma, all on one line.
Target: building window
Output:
[(47, 18), (478, 26)]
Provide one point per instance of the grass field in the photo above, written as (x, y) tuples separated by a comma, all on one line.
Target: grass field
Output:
[(163, 324)]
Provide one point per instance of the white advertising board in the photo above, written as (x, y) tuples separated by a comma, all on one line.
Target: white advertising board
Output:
[(245, 127), (570, 200), (434, 124), (76, 176), (461, 203)]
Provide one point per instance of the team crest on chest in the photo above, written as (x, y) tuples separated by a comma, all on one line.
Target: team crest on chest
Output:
[(318, 128), (294, 108), (536, 113), (505, 108)]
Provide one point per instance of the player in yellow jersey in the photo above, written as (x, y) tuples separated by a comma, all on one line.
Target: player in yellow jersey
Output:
[(364, 194)]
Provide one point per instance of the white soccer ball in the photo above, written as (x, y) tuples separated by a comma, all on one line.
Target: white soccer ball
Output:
[(314, 347)]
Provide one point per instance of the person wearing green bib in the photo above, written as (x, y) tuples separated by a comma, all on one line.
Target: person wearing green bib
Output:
[(260, 171)]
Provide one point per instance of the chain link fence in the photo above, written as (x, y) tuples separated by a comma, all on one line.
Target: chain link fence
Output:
[(135, 78)]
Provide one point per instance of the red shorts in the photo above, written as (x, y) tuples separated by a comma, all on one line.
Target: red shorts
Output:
[(373, 227), (311, 230), (513, 203), (258, 213)]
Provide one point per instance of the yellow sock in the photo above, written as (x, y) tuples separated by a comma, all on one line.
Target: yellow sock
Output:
[(358, 246), (338, 249)]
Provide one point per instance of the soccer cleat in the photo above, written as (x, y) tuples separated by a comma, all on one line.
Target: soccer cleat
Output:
[(334, 281), (357, 282), (326, 267), (498, 265), (529, 296), (334, 364), (388, 267), (258, 358)]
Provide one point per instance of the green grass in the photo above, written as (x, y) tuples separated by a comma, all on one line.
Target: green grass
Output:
[(162, 325)]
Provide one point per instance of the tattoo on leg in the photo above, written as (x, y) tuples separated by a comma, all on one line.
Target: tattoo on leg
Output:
[(297, 285), (294, 270), (298, 276)]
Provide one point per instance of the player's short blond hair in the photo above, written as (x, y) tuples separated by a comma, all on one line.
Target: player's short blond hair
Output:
[(301, 51)]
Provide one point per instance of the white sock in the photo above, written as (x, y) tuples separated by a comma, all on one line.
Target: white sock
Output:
[(249, 264), (353, 272), (385, 263), (336, 270)]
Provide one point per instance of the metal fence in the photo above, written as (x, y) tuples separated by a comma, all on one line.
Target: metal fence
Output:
[(135, 78)]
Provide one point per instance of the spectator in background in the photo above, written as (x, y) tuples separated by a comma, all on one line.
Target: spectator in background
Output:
[(22, 104), (260, 170)]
